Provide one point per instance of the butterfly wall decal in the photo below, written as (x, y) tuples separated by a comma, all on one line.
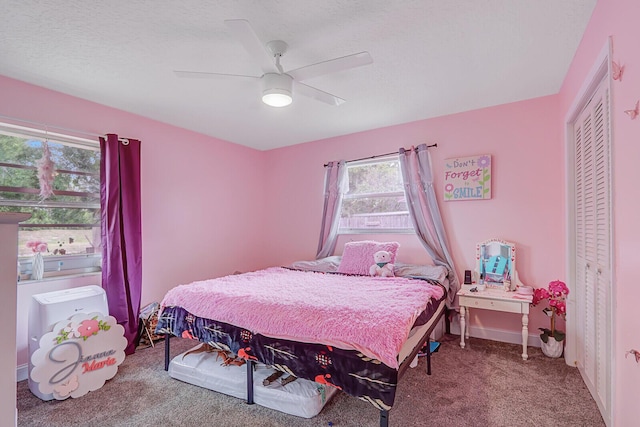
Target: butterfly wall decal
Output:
[(636, 353), (633, 113), (616, 71)]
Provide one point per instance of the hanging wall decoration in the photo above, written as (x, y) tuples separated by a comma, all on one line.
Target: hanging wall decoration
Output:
[(636, 353), (616, 71), (467, 178), (633, 113), (46, 172)]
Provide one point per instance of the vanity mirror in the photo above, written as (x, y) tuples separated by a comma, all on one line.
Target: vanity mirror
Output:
[(496, 264)]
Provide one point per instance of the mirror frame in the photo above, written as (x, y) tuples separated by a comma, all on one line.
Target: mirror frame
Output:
[(509, 276)]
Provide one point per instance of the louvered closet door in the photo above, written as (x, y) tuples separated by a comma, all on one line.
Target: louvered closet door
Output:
[(592, 242)]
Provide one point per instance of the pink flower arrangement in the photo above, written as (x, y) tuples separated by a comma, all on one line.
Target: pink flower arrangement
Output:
[(37, 246), (556, 293)]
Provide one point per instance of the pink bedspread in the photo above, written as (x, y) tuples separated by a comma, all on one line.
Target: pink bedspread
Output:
[(371, 315)]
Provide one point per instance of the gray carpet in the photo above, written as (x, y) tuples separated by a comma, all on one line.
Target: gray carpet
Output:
[(486, 384)]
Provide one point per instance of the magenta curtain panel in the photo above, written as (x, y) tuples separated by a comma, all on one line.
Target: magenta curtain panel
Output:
[(424, 211), (121, 231), (335, 179)]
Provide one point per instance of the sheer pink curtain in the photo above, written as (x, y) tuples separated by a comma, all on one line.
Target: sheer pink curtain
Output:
[(121, 231), (334, 182), (424, 212)]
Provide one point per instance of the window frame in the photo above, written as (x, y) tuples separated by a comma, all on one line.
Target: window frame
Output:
[(76, 264), (391, 194)]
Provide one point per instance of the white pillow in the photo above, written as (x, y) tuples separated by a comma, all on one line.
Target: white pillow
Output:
[(323, 265)]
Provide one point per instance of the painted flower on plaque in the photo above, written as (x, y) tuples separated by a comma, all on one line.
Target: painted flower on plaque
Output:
[(90, 327)]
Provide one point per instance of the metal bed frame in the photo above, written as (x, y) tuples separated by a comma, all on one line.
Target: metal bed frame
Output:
[(384, 414)]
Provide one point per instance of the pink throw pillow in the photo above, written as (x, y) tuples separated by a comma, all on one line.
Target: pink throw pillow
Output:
[(357, 257)]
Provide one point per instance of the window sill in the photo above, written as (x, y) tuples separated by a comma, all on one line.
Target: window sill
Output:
[(61, 275)]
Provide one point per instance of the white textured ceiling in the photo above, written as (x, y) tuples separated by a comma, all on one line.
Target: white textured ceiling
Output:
[(431, 58)]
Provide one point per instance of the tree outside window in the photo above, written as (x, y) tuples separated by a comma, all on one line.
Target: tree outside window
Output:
[(69, 220)]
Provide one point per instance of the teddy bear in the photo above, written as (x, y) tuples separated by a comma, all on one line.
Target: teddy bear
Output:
[(382, 266)]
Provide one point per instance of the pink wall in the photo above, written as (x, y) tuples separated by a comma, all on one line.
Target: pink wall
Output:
[(619, 19), (199, 194), (265, 208), (526, 143)]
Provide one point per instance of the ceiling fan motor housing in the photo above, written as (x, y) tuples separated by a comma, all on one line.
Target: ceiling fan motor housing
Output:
[(276, 89)]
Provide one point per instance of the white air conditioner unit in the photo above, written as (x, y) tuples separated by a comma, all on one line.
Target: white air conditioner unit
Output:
[(49, 308)]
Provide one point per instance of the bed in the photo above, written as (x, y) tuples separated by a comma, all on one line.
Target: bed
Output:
[(354, 332)]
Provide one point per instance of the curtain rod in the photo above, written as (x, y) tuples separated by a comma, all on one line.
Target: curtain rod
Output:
[(39, 126), (379, 155), (46, 127)]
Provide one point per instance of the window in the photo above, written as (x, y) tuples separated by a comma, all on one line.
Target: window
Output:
[(69, 220), (375, 201)]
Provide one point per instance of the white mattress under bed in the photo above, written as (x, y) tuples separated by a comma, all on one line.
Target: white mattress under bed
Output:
[(302, 398)]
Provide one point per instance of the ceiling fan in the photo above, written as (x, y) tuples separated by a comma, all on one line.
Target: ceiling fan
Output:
[(278, 86)]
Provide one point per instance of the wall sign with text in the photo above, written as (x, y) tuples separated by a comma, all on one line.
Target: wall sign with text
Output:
[(78, 356), (467, 178)]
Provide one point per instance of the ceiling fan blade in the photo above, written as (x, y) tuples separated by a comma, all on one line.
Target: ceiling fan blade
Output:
[(331, 66), (205, 75), (317, 94), (242, 30)]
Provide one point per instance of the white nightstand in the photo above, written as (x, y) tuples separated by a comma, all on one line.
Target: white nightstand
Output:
[(497, 300)]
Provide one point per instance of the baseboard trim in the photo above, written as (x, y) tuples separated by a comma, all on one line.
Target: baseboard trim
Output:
[(22, 372), (501, 335), (533, 340)]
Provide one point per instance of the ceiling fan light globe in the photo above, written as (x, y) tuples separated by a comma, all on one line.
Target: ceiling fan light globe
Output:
[(277, 97), (276, 89)]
